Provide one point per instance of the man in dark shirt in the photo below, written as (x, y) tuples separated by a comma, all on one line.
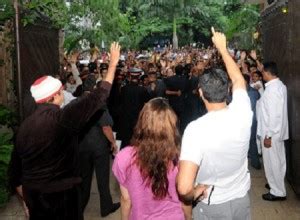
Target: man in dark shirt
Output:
[(175, 92), (156, 87), (44, 162), (132, 98), (96, 142)]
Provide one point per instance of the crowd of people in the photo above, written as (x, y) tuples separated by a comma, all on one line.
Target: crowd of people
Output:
[(225, 104)]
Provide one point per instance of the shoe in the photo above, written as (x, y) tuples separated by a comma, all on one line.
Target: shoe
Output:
[(267, 186), (115, 207), (270, 197)]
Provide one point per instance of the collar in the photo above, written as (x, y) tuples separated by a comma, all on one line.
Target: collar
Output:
[(272, 81)]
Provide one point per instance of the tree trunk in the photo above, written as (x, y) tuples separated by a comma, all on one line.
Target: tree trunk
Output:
[(175, 38)]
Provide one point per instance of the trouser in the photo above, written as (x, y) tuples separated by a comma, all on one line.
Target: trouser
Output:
[(253, 150), (275, 167), (53, 206), (237, 209), (88, 162)]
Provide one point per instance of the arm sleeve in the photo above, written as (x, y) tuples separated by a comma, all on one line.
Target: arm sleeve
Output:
[(240, 108), (190, 150), (75, 73), (77, 113), (106, 119)]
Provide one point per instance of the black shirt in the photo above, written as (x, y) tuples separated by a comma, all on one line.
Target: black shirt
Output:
[(46, 150)]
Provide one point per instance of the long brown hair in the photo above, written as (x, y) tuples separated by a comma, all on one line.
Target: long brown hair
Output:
[(156, 140)]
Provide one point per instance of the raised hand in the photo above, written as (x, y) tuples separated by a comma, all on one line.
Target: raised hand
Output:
[(219, 40), (243, 55), (114, 53), (74, 57), (163, 63), (253, 55)]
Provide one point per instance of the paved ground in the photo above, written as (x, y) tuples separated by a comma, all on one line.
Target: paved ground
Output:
[(261, 210)]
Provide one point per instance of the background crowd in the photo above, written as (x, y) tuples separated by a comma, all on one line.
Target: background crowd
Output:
[(173, 81)]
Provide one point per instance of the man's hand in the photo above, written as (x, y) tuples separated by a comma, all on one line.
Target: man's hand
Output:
[(253, 55), (114, 59), (243, 55), (232, 68), (114, 53), (257, 87), (163, 63), (26, 210), (268, 142), (114, 148), (219, 39), (74, 57), (200, 192)]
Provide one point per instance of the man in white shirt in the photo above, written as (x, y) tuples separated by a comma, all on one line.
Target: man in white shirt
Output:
[(213, 160), (272, 128)]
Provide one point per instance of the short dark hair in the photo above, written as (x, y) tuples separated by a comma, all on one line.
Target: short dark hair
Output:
[(143, 77), (271, 67), (92, 66), (258, 73), (179, 70), (214, 84)]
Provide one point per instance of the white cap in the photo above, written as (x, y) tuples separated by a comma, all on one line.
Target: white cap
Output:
[(45, 88)]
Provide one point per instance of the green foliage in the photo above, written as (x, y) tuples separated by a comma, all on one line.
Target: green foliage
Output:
[(242, 24), (6, 10), (131, 21), (194, 18), (7, 117), (56, 10), (7, 120)]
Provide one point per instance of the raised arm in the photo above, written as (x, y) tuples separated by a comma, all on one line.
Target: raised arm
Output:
[(238, 82), (114, 59), (78, 112), (74, 68)]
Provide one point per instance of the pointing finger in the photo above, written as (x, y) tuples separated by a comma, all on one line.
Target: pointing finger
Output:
[(213, 30)]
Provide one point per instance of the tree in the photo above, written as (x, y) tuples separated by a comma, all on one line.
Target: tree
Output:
[(167, 11)]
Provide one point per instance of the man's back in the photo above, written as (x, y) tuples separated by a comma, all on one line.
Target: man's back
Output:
[(46, 150), (219, 143), (47, 142)]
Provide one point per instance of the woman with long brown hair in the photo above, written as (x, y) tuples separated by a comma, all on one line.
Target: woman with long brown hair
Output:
[(147, 170)]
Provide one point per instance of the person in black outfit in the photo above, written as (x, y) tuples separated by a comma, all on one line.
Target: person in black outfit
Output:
[(194, 107), (94, 154), (175, 92), (95, 145), (44, 164), (132, 97), (113, 102)]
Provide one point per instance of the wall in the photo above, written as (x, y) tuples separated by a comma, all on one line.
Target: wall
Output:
[(39, 55)]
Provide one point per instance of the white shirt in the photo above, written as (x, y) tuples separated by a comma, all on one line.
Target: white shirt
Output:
[(258, 84), (218, 142), (68, 97), (271, 108), (72, 87)]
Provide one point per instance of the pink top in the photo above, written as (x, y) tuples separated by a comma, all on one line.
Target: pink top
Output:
[(143, 205)]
